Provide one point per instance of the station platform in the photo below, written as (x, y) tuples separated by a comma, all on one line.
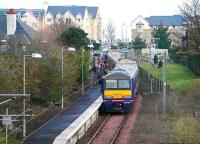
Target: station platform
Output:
[(49, 131)]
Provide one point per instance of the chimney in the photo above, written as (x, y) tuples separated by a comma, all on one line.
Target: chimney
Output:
[(11, 22), (45, 5)]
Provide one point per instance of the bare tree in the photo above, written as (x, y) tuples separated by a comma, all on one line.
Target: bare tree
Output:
[(57, 28), (191, 14), (110, 32)]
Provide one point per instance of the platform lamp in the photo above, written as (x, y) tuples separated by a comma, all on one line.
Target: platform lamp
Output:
[(33, 55), (62, 67)]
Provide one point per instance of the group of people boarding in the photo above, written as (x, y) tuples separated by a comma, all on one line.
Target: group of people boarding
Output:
[(99, 68)]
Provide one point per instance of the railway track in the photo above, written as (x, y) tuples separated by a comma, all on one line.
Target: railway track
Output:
[(109, 130)]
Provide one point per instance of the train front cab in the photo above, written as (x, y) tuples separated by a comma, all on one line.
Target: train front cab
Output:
[(118, 95)]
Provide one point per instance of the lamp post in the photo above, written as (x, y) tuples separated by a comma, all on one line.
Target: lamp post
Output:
[(82, 49), (4, 43), (125, 39), (150, 62), (157, 40), (62, 71), (164, 86), (91, 46), (34, 55)]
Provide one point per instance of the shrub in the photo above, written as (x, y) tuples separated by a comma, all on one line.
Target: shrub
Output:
[(186, 130), (155, 59), (180, 53), (160, 64)]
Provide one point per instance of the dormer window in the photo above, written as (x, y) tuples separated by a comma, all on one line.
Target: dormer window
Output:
[(34, 24), (49, 19), (139, 25), (24, 16), (68, 20), (19, 15)]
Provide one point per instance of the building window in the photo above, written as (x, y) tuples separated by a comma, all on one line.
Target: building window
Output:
[(140, 34), (19, 16), (174, 26), (34, 24), (68, 20), (79, 19), (24, 16), (49, 19)]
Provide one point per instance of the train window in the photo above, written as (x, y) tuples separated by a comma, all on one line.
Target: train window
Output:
[(123, 83), (111, 84)]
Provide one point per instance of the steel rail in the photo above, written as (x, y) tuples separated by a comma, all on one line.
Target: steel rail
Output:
[(98, 130), (119, 129)]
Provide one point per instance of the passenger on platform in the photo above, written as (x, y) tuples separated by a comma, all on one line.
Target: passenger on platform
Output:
[(94, 75)]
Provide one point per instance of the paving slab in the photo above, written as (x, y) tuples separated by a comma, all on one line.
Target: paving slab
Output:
[(49, 131)]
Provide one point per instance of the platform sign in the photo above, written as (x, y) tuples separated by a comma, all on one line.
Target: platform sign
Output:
[(7, 120)]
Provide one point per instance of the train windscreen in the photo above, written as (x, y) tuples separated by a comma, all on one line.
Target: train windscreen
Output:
[(121, 84), (124, 84), (111, 84)]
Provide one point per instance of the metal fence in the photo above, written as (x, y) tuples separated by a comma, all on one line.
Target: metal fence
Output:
[(153, 84)]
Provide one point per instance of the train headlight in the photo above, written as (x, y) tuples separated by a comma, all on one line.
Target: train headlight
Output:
[(127, 97), (108, 97)]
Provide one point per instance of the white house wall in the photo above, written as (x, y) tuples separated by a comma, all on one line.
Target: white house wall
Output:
[(176, 32), (68, 15), (48, 16), (92, 26), (142, 20), (31, 21)]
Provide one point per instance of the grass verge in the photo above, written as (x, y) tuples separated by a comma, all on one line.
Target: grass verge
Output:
[(179, 77)]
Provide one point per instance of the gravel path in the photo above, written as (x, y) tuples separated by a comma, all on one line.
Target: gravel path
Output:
[(145, 127)]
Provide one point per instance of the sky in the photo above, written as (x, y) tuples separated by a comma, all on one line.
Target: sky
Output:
[(118, 11)]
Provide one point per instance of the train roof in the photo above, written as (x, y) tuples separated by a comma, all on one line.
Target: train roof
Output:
[(117, 75), (130, 68), (125, 66)]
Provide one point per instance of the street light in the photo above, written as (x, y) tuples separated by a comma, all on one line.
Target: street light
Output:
[(62, 66), (123, 24), (82, 50), (3, 41), (150, 62), (91, 46), (164, 85), (157, 40), (34, 55)]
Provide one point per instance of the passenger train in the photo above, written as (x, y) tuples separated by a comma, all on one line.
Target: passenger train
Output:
[(119, 87)]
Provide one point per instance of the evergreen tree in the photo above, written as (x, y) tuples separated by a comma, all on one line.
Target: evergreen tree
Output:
[(162, 35), (74, 37), (160, 64), (138, 43), (155, 59)]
